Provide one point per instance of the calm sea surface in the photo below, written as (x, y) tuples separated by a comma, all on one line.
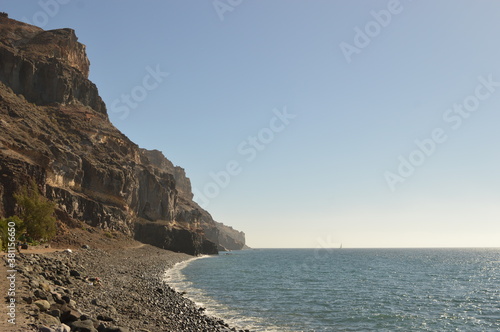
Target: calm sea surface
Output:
[(348, 289)]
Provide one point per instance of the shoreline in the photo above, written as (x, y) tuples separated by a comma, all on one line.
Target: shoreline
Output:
[(120, 290), (180, 283)]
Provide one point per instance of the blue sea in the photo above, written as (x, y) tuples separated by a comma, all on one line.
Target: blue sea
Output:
[(347, 289)]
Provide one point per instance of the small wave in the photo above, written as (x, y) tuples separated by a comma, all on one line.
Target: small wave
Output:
[(176, 279), (174, 276)]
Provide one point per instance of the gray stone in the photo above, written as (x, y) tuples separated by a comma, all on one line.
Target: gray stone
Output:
[(28, 299), (45, 329), (40, 294), (58, 298), (74, 273), (55, 313), (48, 320), (83, 326), (45, 287), (70, 315), (43, 305), (63, 328), (34, 283), (117, 329), (105, 318), (112, 310)]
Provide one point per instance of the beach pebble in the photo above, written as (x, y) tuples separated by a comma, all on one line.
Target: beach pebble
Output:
[(69, 315), (48, 320), (34, 283), (105, 318), (43, 305), (45, 329), (55, 313), (28, 299), (45, 287), (74, 273), (128, 290), (63, 328), (116, 329), (40, 294), (83, 326)]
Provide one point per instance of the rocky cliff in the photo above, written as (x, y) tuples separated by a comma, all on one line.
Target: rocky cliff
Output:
[(54, 129)]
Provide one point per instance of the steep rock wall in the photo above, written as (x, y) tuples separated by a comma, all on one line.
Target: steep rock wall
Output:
[(46, 66), (54, 129), (165, 236)]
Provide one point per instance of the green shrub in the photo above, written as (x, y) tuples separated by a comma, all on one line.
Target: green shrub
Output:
[(37, 212)]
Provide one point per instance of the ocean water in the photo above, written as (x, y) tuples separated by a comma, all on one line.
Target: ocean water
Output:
[(348, 289)]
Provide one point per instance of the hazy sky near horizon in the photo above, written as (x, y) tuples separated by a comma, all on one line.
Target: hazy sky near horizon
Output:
[(309, 123)]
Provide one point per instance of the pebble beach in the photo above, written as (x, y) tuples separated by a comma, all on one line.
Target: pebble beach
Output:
[(115, 290)]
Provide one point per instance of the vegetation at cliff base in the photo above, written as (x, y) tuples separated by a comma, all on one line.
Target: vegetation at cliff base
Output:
[(37, 213)]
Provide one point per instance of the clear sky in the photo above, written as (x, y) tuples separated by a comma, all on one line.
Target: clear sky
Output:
[(309, 123)]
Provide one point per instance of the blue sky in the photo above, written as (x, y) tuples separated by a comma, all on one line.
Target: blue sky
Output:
[(294, 140)]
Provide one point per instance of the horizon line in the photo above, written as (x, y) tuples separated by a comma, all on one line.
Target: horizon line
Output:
[(326, 248)]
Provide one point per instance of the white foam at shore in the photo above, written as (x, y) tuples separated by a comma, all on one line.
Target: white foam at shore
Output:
[(176, 279)]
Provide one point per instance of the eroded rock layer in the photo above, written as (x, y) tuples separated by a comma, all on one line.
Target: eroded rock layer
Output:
[(54, 129)]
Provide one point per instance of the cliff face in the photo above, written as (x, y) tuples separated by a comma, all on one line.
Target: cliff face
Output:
[(54, 128), (46, 66), (229, 237), (225, 237)]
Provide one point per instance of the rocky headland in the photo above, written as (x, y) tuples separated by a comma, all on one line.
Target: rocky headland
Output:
[(55, 131)]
